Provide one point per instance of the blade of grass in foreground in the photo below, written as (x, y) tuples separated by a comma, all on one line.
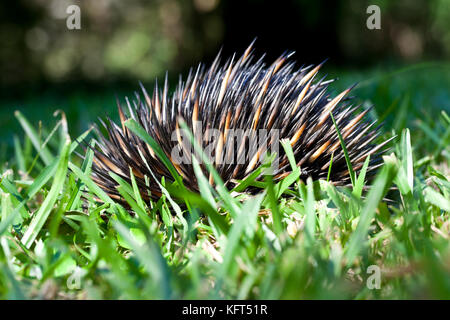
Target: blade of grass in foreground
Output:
[(310, 220), (377, 190), (246, 217), (250, 179), (273, 205), (150, 256), (405, 177), (90, 184), (203, 184), (19, 155), (294, 176), (10, 218), (437, 199), (347, 158), (34, 137), (44, 211), (357, 190)]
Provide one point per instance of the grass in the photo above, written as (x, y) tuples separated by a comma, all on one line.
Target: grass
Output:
[(62, 237)]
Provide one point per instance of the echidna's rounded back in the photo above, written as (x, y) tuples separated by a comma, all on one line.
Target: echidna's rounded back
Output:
[(238, 101)]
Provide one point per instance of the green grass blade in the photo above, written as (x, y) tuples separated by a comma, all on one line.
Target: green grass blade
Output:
[(152, 260), (35, 139), (408, 161), (21, 165), (330, 166), (347, 158), (245, 218), (273, 205), (358, 188), (310, 219), (376, 193), (437, 199), (249, 180), (90, 184), (203, 184), (44, 211)]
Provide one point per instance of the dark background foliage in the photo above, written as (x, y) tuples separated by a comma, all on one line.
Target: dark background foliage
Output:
[(128, 40)]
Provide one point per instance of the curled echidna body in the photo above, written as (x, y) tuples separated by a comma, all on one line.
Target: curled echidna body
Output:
[(226, 106)]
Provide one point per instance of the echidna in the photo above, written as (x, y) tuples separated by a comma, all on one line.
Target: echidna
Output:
[(238, 97)]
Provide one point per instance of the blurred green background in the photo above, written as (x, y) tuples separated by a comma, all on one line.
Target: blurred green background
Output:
[(44, 66)]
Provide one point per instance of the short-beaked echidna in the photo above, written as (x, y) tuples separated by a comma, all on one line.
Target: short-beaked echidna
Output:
[(241, 94)]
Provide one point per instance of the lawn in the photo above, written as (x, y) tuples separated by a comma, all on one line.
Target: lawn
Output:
[(62, 237)]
